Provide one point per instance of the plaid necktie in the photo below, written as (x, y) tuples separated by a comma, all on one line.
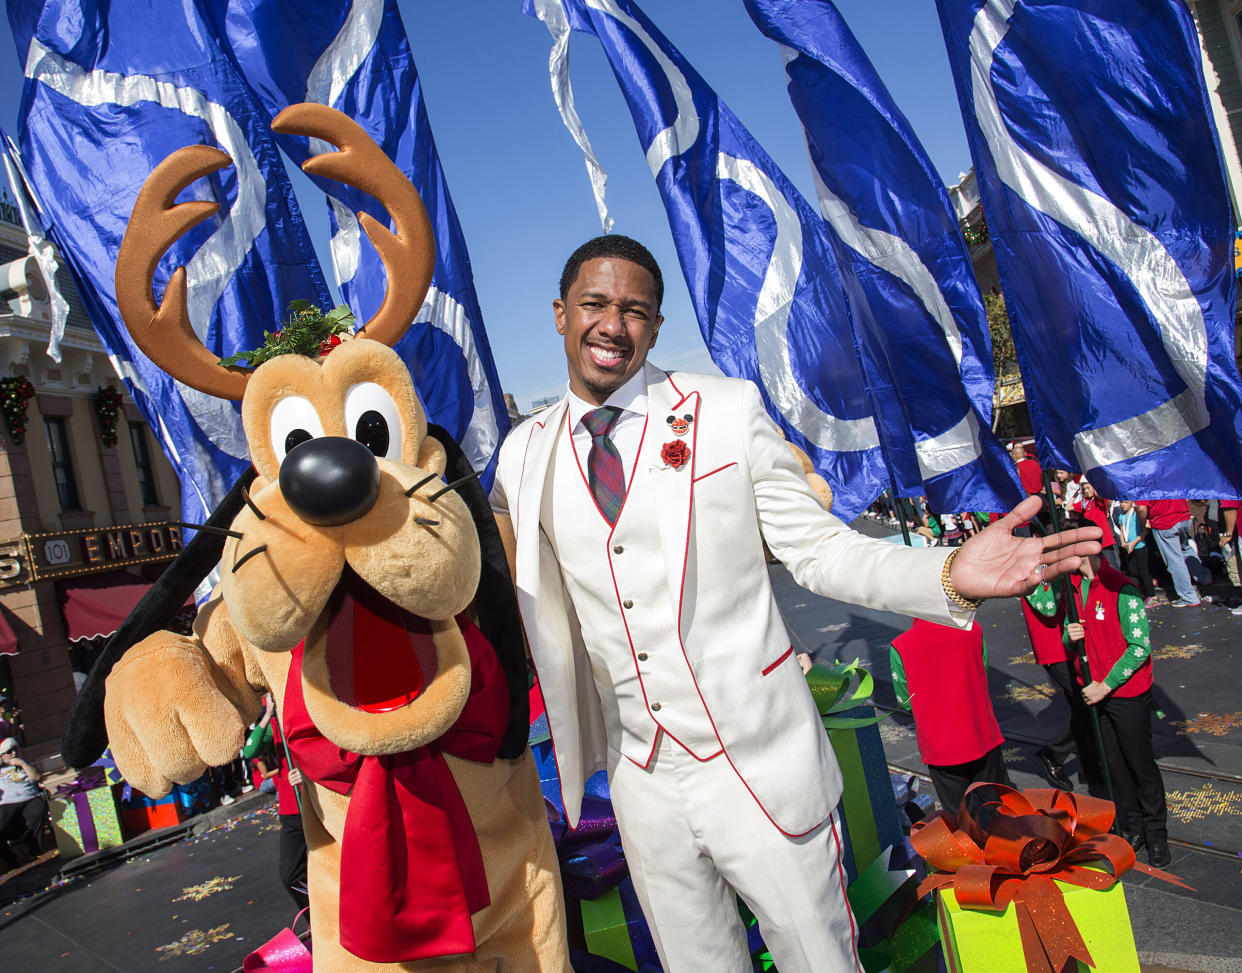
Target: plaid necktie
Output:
[(604, 470)]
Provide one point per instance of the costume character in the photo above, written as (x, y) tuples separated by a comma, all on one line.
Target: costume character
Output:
[(1118, 646), (371, 599), (940, 675)]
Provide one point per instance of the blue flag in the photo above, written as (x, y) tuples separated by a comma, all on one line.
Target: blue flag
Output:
[(355, 56), (922, 331), (762, 278), (1102, 182), (111, 89)]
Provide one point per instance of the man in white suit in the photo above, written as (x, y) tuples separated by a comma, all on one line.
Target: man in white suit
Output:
[(639, 506)]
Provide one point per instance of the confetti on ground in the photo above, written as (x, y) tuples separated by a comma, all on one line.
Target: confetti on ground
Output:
[(1029, 694), (1180, 651), (1215, 724), (1201, 802), (195, 942), (197, 893)]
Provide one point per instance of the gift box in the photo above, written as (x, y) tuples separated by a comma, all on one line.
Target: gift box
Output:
[(142, 813), (978, 941), (1028, 880), (86, 816)]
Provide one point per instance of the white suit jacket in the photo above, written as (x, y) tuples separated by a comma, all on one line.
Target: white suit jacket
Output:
[(740, 486)]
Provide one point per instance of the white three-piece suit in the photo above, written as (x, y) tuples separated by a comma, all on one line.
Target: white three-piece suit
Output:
[(660, 649)]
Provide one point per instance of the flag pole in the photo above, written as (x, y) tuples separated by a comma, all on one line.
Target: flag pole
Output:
[(1080, 646), (899, 507)]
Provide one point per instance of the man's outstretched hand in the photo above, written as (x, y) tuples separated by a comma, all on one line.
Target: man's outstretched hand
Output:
[(996, 564)]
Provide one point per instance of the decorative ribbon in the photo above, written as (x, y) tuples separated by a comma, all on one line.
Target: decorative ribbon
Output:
[(1007, 846), (411, 869), (112, 773), (841, 687), (77, 791)]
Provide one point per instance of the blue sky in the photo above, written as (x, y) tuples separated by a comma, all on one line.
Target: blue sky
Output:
[(518, 179)]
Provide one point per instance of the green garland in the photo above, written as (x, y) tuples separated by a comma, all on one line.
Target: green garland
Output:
[(15, 392), (308, 331), (108, 407)]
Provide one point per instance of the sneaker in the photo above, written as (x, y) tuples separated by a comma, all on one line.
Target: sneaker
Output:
[(227, 799), (247, 788), (1179, 603), (1236, 610)]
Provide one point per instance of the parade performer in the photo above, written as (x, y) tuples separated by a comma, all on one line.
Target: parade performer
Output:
[(1118, 646), (940, 675), (1046, 630), (369, 596), (639, 505)]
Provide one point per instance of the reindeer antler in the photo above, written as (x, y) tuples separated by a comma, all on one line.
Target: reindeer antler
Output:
[(165, 334), (409, 256)]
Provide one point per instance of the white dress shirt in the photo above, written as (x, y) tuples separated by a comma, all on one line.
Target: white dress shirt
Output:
[(627, 432)]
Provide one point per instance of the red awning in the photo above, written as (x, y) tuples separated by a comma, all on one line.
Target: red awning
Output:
[(8, 641), (96, 604)]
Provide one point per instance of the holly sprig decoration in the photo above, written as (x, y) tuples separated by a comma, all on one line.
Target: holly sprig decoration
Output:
[(108, 402), (308, 331), (15, 392)]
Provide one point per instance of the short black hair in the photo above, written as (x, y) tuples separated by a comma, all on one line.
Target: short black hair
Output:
[(612, 245)]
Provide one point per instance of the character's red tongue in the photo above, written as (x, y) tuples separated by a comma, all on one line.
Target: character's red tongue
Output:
[(379, 656)]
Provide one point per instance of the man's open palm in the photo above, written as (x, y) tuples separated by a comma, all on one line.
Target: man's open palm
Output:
[(996, 564)]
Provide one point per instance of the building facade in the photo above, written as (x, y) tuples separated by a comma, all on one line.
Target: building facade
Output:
[(85, 491)]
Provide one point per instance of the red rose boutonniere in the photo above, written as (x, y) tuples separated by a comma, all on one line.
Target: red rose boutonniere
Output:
[(676, 454)]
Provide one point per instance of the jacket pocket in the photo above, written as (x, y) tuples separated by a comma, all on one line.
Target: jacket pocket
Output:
[(772, 665), (718, 469)]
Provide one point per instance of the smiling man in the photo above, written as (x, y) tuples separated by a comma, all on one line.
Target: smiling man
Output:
[(636, 511)]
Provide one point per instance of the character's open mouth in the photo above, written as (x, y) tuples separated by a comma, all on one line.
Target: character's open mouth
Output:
[(379, 656)]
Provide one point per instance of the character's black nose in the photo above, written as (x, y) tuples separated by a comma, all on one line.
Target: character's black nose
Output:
[(330, 480)]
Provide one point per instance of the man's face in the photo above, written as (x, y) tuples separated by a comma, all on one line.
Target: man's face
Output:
[(609, 318), (1018, 452)]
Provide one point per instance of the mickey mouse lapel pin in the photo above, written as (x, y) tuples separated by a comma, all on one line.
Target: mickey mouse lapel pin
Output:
[(680, 424)]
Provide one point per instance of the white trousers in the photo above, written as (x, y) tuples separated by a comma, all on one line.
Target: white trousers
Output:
[(695, 839)]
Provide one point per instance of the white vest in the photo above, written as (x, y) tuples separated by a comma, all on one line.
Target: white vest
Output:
[(630, 633)]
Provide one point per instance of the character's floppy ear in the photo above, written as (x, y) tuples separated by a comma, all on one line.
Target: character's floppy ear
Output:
[(85, 735), (495, 601), (431, 455)]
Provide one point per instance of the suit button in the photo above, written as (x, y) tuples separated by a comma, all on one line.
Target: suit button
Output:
[(655, 707), (642, 656), (627, 603), (618, 549)]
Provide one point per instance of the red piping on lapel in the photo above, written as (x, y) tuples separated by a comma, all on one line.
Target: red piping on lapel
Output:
[(522, 476)]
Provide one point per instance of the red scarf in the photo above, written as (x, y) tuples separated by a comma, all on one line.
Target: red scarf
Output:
[(411, 869)]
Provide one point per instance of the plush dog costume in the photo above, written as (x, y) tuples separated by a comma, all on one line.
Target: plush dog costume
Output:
[(346, 589)]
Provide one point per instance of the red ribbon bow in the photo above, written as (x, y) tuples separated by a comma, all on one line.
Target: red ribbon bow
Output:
[(411, 869), (1005, 846)]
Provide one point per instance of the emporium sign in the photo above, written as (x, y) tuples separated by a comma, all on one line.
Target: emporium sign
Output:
[(70, 553)]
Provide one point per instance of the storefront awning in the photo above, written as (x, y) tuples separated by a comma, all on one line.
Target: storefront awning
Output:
[(8, 640), (95, 605)]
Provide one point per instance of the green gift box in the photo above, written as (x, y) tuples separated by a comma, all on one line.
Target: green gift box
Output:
[(979, 941), (86, 821), (606, 930)]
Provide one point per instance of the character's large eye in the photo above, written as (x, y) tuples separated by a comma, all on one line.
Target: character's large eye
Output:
[(372, 418), (294, 421)]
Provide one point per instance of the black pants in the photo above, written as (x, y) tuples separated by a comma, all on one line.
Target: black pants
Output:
[(1135, 565), (1139, 789), (292, 862), (22, 821), (1075, 733), (952, 781)]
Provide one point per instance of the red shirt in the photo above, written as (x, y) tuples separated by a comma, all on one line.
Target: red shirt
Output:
[(1163, 514), (1096, 511), (1031, 475)]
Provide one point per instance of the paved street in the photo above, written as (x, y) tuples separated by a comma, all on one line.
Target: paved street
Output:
[(205, 900)]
